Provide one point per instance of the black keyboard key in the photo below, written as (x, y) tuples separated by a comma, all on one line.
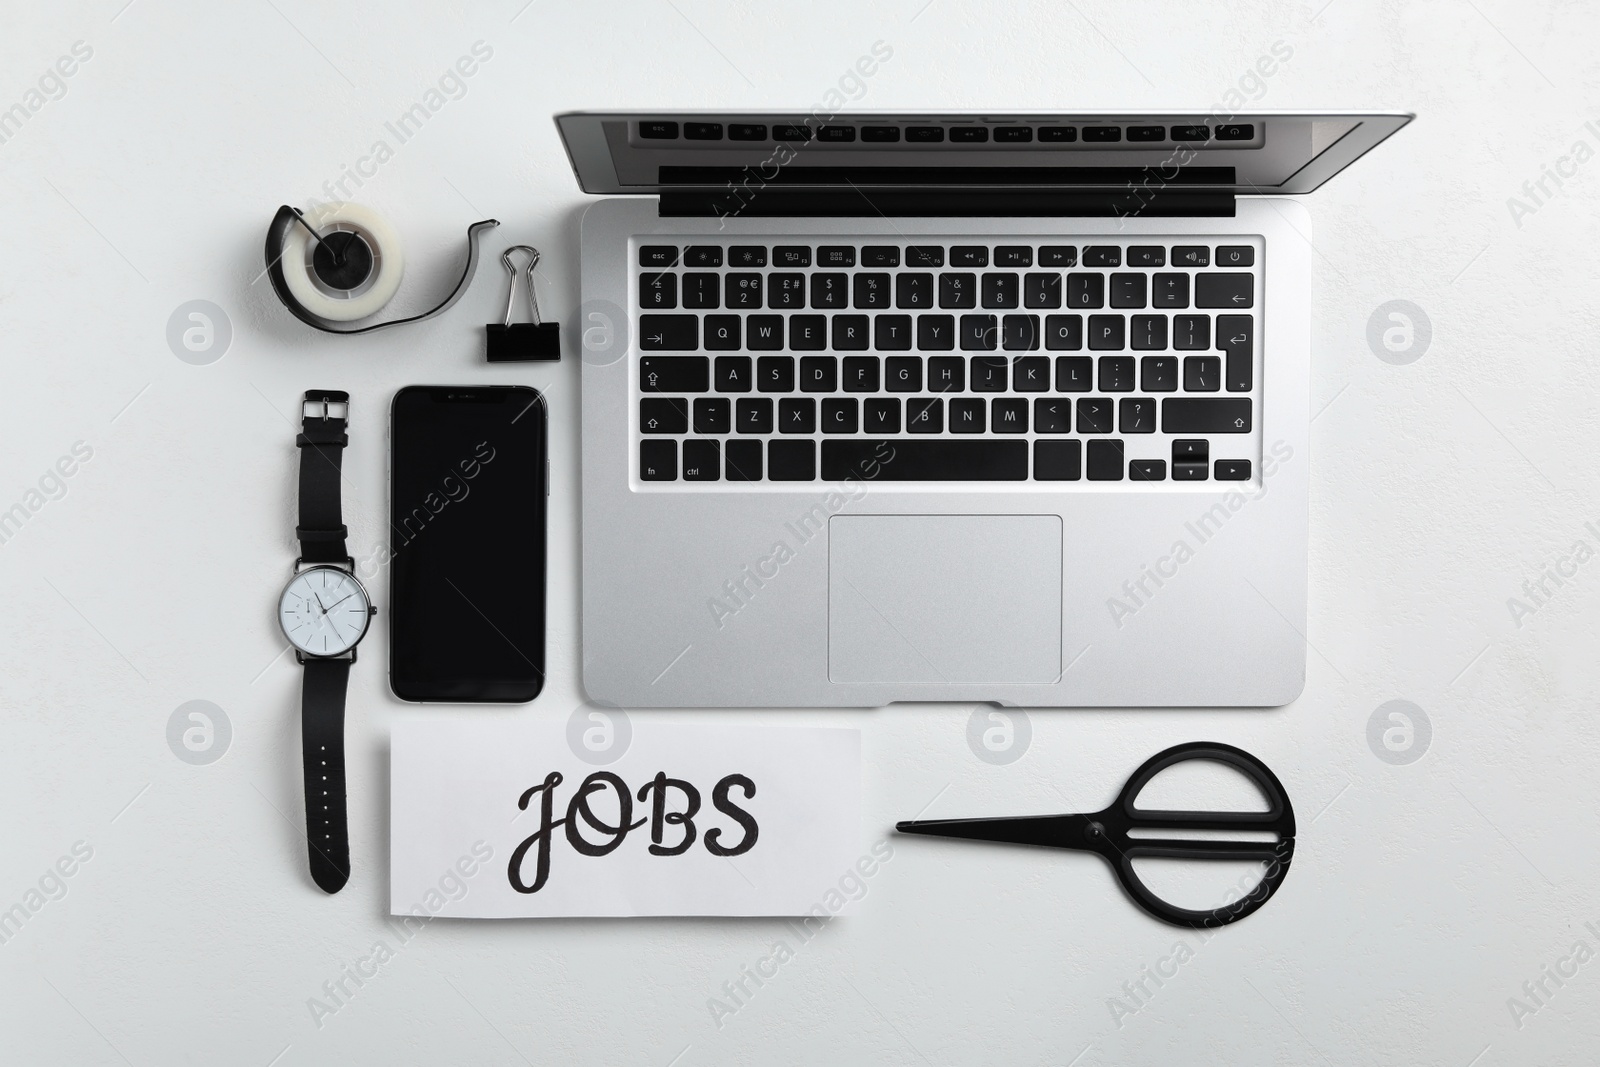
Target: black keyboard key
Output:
[(1058, 256), (1233, 470), (1063, 332), (837, 133), (1191, 256), (1019, 333), (791, 461), (663, 415), (1058, 133), (925, 256), (1147, 470), (1236, 256), (743, 290), (1074, 374), (658, 291), (1013, 256), (1102, 256), (967, 415), (880, 256), (871, 290), (1190, 472), (891, 333), (1000, 290), (733, 374), (797, 414), (1105, 461), (1136, 414), (1094, 415), (791, 256), (1191, 461), (764, 333), (936, 333), (924, 134), (702, 290), (836, 256), (851, 333), (1191, 133), (947, 374), (974, 460), (1102, 133), (1202, 374), (1108, 332), (658, 461), (1147, 255), (1127, 290), (1057, 461), (1009, 415), (753, 415), (658, 131), (788, 132), (1236, 336), (819, 374), (1170, 291), (747, 131), (658, 256), (1224, 290), (712, 414), (722, 333), (702, 461), (1041, 291), (786, 290), (969, 255), (1030, 374), (969, 134), (808, 333), (989, 373), (880, 133), (1147, 332), (743, 459), (1235, 131), (925, 415), (1191, 332), (1051, 415), (1147, 133), (1205, 415), (702, 131), (703, 256), (1158, 374), (829, 291), (747, 256), (958, 290), (861, 374), (1086, 290), (881, 415), (840, 414), (775, 374), (913, 291), (903, 374), (979, 333), (1116, 374), (674, 374), (669, 333)]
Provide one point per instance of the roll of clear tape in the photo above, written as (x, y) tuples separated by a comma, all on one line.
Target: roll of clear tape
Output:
[(340, 305)]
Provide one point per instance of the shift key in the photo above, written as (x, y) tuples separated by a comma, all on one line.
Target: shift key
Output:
[(1183, 414), (672, 333)]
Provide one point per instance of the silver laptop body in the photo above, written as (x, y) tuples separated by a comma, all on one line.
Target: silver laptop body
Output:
[(1006, 409)]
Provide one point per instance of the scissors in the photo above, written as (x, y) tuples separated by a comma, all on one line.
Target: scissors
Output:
[(1107, 832)]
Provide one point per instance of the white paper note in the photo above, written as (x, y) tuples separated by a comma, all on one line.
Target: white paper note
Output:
[(776, 825)]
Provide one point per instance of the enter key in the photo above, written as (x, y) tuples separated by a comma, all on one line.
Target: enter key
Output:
[(1236, 335)]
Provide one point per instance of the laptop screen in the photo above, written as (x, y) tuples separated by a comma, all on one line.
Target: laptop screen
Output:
[(1261, 153)]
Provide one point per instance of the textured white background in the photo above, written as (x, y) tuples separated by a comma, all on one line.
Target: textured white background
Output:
[(1423, 896)]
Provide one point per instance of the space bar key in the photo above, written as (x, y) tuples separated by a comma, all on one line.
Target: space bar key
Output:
[(924, 460)]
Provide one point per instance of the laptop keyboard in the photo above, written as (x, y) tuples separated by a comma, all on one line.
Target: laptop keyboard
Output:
[(964, 360)]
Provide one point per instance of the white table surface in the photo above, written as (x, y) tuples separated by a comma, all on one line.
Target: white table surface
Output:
[(1423, 895)]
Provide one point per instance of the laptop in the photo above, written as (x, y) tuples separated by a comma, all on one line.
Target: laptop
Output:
[(1006, 408)]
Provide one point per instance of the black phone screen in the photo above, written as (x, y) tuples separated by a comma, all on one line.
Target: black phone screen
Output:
[(467, 543)]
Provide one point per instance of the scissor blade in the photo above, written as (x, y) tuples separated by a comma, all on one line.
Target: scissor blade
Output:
[(1053, 831)]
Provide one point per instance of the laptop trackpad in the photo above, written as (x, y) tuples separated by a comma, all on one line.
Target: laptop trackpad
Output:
[(944, 598)]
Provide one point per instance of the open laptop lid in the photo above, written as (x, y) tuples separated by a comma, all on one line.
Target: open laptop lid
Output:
[(1022, 163)]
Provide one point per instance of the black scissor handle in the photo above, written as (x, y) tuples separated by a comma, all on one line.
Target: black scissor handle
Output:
[(1120, 849)]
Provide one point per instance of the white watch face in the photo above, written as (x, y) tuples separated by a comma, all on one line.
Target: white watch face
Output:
[(324, 611)]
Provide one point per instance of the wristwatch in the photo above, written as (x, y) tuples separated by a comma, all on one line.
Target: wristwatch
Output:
[(324, 612)]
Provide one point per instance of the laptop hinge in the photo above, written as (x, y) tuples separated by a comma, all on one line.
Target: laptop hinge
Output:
[(1125, 202)]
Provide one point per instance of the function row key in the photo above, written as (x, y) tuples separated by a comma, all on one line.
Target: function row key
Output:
[(934, 256)]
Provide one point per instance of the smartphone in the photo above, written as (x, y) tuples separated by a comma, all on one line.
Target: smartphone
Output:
[(467, 494)]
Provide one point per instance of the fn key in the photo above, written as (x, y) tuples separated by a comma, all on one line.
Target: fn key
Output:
[(658, 461)]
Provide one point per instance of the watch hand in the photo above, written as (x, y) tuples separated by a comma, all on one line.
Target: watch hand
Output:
[(318, 599), (336, 603)]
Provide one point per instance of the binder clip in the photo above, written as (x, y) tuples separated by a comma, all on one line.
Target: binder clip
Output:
[(519, 342)]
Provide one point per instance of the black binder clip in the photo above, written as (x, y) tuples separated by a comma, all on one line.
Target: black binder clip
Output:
[(520, 342)]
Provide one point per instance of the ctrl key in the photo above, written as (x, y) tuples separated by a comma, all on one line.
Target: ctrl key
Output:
[(658, 461)]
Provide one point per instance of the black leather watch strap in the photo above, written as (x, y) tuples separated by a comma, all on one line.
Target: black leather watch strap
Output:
[(322, 746), (322, 439)]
